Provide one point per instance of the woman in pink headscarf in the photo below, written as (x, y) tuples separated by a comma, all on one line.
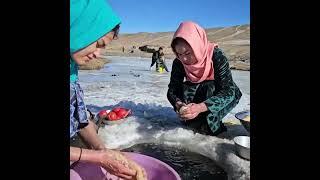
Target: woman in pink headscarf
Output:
[(201, 89)]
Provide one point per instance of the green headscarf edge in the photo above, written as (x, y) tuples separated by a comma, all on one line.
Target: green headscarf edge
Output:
[(89, 21)]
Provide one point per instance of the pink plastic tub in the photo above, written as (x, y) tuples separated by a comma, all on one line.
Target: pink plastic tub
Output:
[(156, 170)]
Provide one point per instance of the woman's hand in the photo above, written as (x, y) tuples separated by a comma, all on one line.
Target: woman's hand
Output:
[(178, 105), (114, 162), (117, 164), (192, 110)]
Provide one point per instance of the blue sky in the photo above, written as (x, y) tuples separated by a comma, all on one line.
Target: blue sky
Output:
[(166, 15)]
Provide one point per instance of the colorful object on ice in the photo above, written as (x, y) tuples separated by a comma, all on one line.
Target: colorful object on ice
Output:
[(121, 112), (114, 116), (161, 69), (103, 113), (156, 169)]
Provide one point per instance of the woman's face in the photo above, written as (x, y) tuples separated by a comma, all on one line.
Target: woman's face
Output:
[(185, 53), (93, 50)]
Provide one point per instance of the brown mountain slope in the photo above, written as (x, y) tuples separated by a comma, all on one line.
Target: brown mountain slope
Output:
[(235, 42)]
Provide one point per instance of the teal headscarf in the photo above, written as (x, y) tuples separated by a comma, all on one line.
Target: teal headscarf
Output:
[(89, 21)]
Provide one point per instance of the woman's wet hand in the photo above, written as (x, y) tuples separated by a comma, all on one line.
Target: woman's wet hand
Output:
[(117, 164), (191, 111), (178, 105)]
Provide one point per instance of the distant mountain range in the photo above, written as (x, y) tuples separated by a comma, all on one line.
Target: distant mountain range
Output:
[(234, 41)]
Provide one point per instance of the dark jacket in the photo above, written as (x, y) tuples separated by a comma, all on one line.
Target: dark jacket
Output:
[(156, 56)]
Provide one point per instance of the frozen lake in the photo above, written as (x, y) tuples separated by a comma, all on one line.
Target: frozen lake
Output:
[(127, 82)]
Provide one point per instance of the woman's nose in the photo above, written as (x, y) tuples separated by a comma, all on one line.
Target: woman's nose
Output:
[(185, 58)]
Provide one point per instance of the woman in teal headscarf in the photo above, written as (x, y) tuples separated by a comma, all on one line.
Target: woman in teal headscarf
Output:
[(93, 24)]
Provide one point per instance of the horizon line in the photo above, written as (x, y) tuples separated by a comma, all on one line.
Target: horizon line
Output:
[(216, 27)]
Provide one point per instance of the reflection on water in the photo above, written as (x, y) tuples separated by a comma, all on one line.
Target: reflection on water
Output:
[(189, 165)]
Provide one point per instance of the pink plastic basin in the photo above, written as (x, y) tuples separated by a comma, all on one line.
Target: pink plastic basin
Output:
[(156, 170)]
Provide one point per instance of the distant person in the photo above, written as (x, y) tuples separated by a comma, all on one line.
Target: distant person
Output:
[(163, 63), (158, 59), (87, 34), (201, 88)]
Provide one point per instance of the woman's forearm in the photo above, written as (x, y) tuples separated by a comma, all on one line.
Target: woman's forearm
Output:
[(91, 137), (74, 153), (83, 155)]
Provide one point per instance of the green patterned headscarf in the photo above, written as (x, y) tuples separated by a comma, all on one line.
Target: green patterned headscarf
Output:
[(89, 21)]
